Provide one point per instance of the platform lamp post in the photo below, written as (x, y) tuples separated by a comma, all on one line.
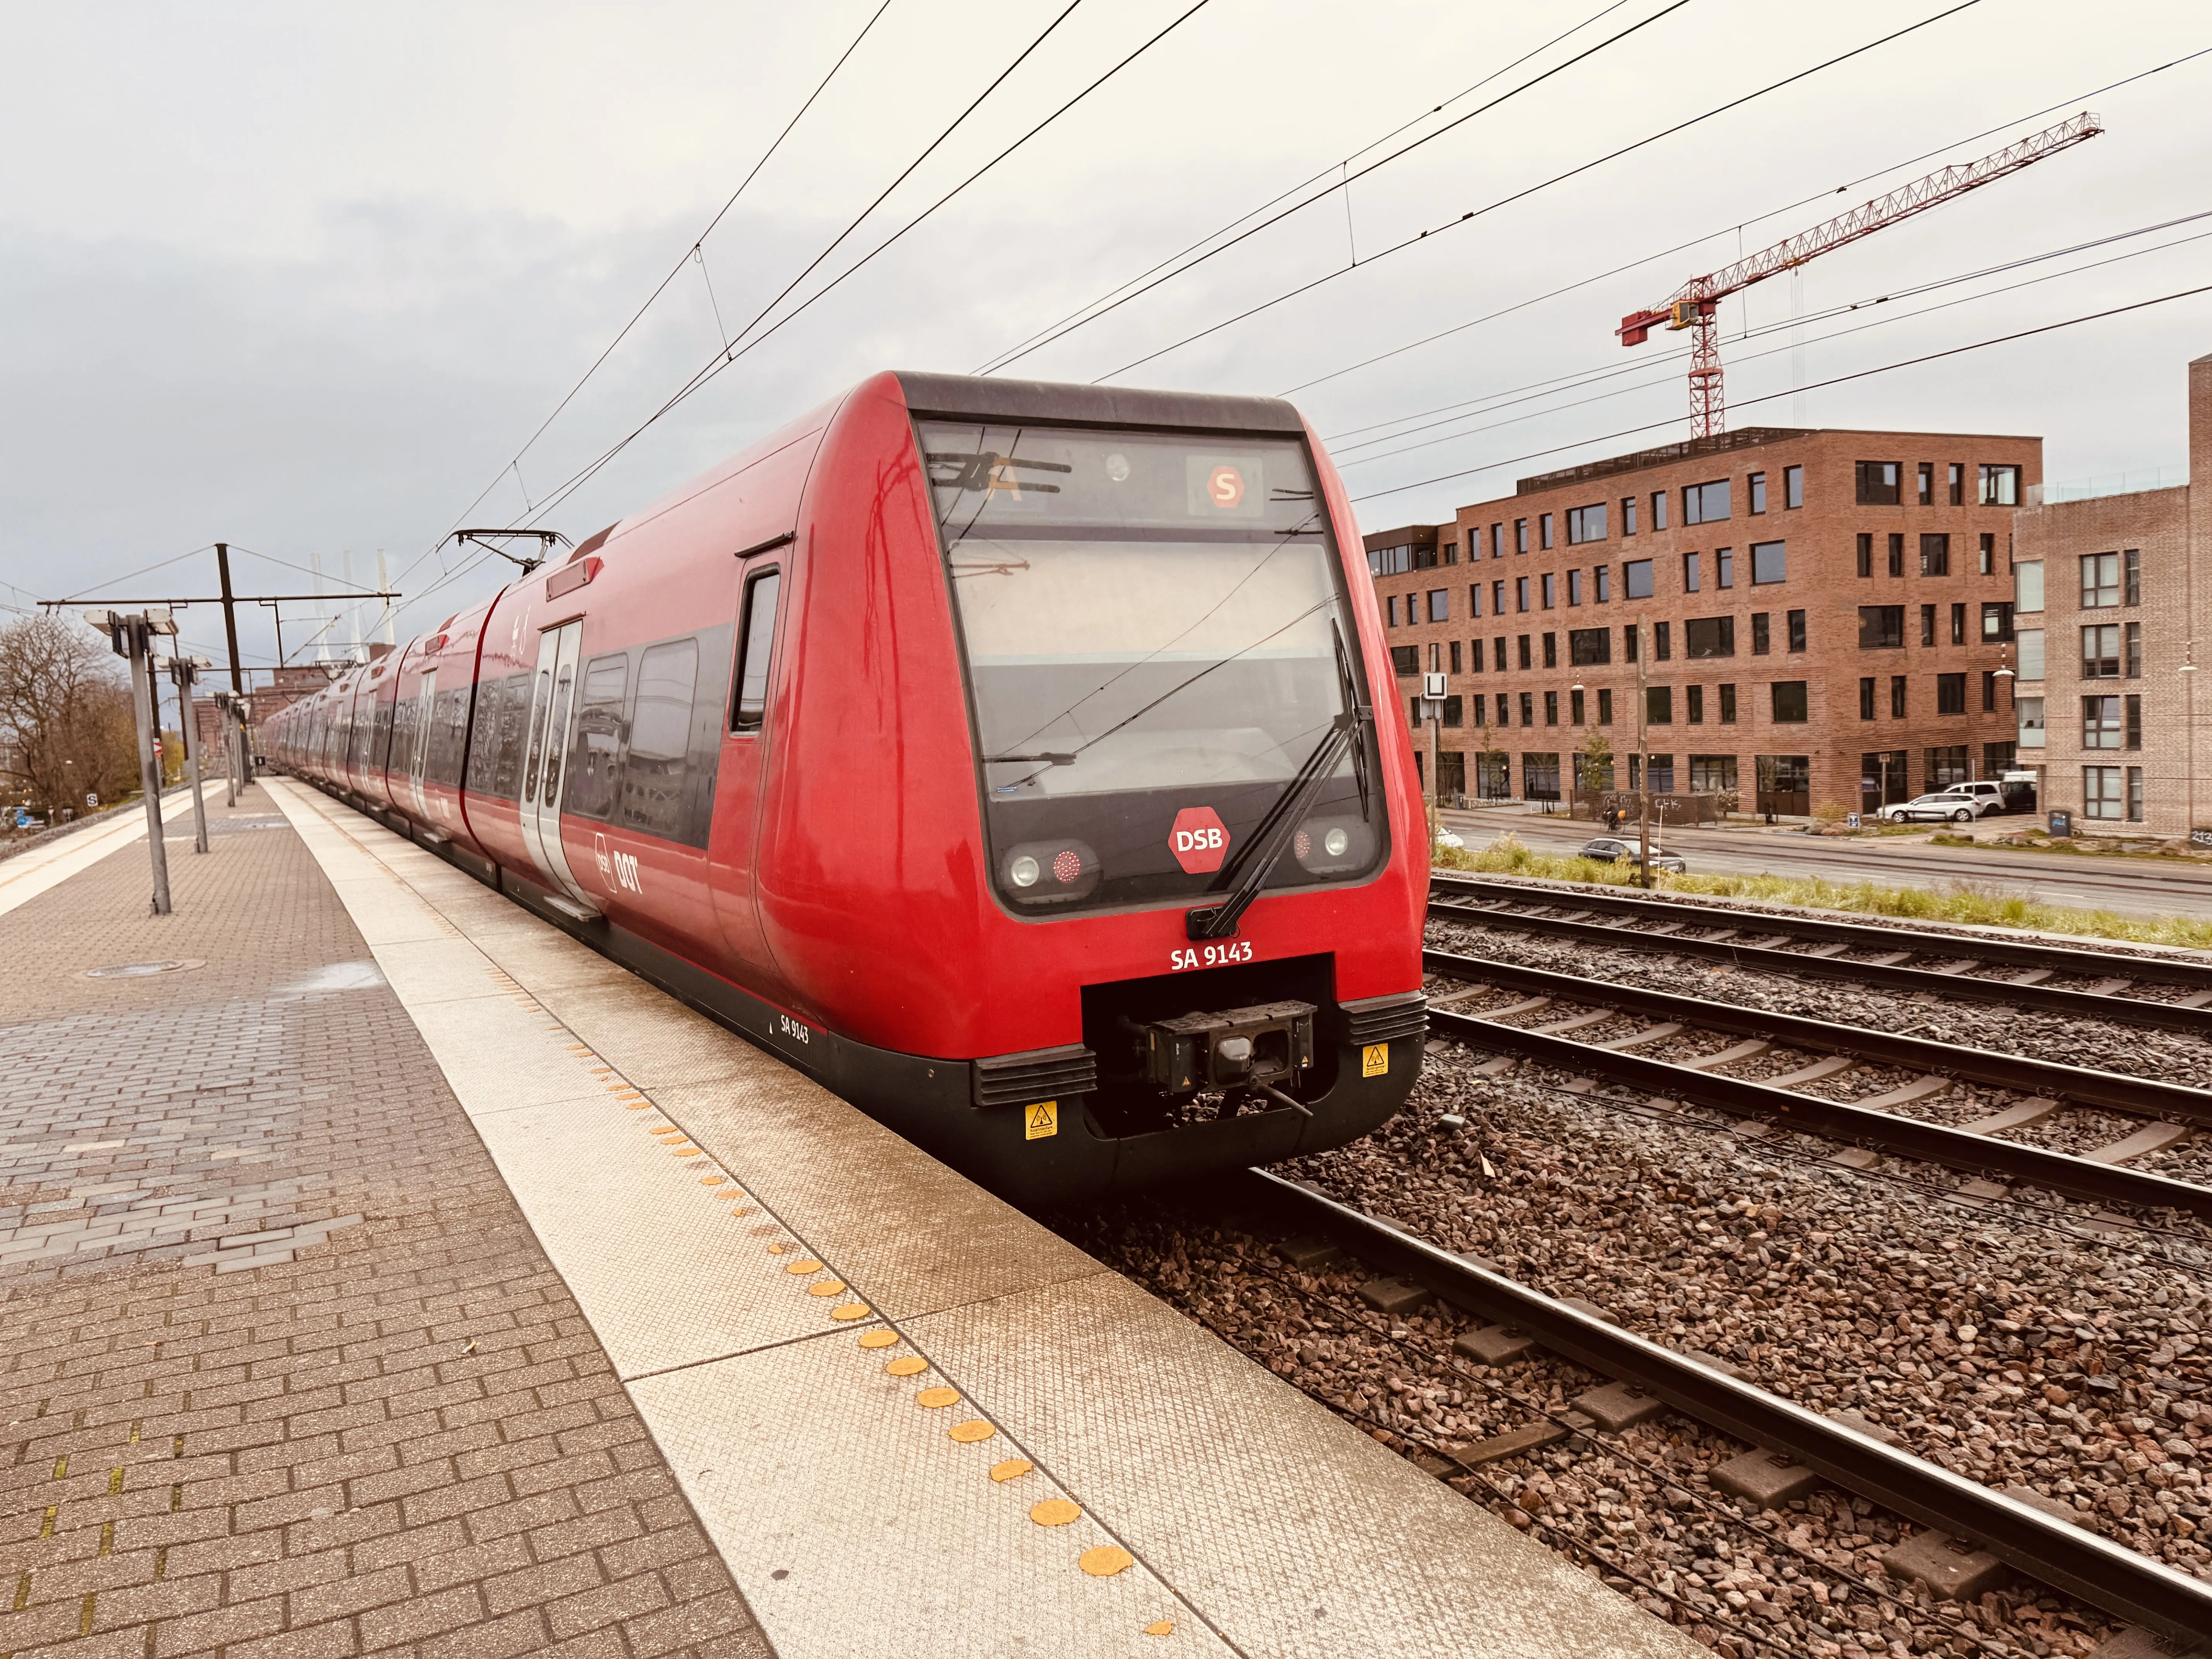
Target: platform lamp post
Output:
[(184, 670), (131, 634)]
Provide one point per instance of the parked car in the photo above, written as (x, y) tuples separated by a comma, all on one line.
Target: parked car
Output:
[(1607, 850), (1960, 804), (1986, 793)]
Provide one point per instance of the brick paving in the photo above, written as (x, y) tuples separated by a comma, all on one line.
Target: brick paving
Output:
[(283, 1369)]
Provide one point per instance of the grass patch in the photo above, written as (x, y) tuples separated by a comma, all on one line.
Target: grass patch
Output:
[(1981, 903)]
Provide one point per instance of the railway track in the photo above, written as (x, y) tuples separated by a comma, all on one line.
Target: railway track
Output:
[(2127, 989), (1571, 1002), (2122, 1582)]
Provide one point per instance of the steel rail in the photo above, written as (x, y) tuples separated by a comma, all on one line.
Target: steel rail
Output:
[(1859, 1126), (2018, 953), (2080, 1005), (2081, 1084), (2125, 1583)]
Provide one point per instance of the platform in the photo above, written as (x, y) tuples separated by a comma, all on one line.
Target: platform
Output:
[(841, 1351)]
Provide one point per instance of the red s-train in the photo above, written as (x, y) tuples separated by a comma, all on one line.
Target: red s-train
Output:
[(1004, 755)]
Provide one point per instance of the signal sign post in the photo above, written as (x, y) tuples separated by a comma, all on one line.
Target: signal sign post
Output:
[(132, 636), (184, 670), (1432, 710)]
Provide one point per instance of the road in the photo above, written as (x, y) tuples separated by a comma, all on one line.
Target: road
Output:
[(2131, 887)]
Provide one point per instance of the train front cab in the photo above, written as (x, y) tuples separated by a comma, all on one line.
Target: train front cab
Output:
[(1034, 634)]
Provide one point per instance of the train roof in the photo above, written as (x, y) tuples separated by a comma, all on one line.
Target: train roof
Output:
[(1062, 403)]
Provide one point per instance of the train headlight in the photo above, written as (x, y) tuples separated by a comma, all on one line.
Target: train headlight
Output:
[(1334, 846), (1038, 872)]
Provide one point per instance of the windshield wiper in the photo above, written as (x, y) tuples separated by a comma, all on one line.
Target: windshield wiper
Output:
[(1268, 843), (1048, 759)]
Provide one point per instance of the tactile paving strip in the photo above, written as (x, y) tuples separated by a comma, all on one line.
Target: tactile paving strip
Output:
[(1202, 1502)]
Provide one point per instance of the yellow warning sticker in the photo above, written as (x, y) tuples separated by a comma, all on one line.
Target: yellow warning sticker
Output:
[(1041, 1119), (1375, 1060)]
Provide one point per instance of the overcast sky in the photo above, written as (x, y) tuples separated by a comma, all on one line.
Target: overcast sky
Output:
[(306, 278)]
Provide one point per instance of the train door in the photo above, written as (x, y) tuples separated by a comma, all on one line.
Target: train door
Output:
[(551, 705), (732, 848), (419, 751)]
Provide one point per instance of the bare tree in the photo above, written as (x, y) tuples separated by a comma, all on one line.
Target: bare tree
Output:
[(65, 724)]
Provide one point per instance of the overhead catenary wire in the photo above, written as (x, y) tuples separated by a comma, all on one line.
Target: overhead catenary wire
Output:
[(1346, 182), (1339, 166), (729, 355), (1681, 247), (1473, 214), (1769, 397)]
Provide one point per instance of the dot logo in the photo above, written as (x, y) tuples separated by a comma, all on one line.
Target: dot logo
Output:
[(1224, 486), (1199, 840)]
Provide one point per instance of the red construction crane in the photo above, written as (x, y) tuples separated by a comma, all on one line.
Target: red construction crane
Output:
[(1695, 303)]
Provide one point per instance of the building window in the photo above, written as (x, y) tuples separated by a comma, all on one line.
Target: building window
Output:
[(1551, 650), (2100, 581), (2134, 794), (1455, 711), (1497, 654), (1480, 709), (1544, 522), (2134, 651), (1950, 694), (1439, 604), (1604, 708), (1988, 690), (1695, 697), (1958, 623), (1658, 509), (1934, 555), (1521, 645), (1498, 541), (1540, 776), (1451, 552), (2100, 791), (1602, 579), (1662, 641), (1575, 708), (1551, 590), (1927, 624), (1527, 708), (2101, 722), (2100, 652), (2000, 486), (1987, 565), (1424, 557), (1711, 775), (1659, 705), (1927, 473), (2132, 707), (1585, 524), (1728, 704), (1896, 696), (1636, 579), (1393, 603), (1705, 503), (1550, 708), (1455, 657), (2030, 710), (2030, 640), (1793, 495), (1628, 515), (2131, 576), (2028, 586), (1866, 553), (1504, 710), (1877, 482), (1881, 628), (1629, 643), (1946, 766), (1709, 636), (1770, 563), (1406, 659), (1497, 598), (1796, 620), (1689, 573), (1724, 566), (1474, 655), (1957, 484), (1789, 702), (1474, 598), (1996, 622), (1574, 587), (1520, 535), (1866, 697), (1520, 592), (1590, 648), (1436, 657), (1896, 553), (1758, 481)]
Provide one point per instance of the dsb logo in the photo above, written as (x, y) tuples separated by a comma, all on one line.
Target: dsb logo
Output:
[(1199, 840)]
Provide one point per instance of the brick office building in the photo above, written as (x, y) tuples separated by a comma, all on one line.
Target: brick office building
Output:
[(1821, 617), (2108, 607)]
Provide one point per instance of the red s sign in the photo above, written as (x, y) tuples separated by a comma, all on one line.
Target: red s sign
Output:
[(1224, 485), (1199, 840)]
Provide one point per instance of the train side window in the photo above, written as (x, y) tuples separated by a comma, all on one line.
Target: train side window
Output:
[(598, 737), (653, 765), (757, 639)]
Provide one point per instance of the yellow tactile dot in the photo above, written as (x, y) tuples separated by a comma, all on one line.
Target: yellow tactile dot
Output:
[(879, 1338), (906, 1365), (742, 1212), (1105, 1561), (933, 1399), (804, 1265), (851, 1310), (827, 1287), (1012, 1469), (726, 1197), (970, 1432), (778, 1247), (689, 1151), (662, 1129), (1160, 1627), (1054, 1512), (639, 1106), (713, 1181)]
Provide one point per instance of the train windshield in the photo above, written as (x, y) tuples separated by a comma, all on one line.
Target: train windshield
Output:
[(1157, 643)]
